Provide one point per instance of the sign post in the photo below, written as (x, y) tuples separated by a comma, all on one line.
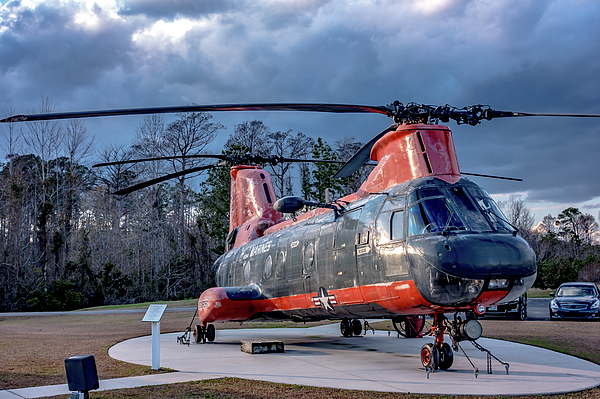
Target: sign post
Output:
[(153, 315)]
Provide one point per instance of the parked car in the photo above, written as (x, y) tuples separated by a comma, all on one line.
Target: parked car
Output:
[(516, 308), (575, 301)]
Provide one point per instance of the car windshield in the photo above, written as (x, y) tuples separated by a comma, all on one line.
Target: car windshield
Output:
[(575, 291)]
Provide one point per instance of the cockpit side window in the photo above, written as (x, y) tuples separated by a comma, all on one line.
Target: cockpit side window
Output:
[(398, 225), (390, 223)]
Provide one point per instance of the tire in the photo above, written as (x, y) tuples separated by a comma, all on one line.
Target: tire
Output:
[(522, 310), (198, 334), (409, 326), (356, 327), (210, 333), (346, 328), (446, 356), (430, 357)]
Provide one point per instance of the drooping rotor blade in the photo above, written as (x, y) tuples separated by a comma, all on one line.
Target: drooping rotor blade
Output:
[(491, 113), (330, 108), (362, 156), (491, 176), (162, 179), (223, 157)]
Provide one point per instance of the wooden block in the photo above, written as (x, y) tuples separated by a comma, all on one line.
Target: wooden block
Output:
[(262, 346)]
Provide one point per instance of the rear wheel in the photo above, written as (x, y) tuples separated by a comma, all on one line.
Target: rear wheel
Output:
[(356, 327), (210, 333), (346, 328), (199, 335)]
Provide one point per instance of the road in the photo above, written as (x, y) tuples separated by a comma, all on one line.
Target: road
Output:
[(537, 309)]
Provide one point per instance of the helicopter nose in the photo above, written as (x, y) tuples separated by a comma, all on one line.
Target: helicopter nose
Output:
[(457, 268)]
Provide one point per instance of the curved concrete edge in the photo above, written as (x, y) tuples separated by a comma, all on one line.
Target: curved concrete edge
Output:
[(319, 356)]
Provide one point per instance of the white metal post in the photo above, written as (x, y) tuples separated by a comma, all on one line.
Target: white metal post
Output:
[(156, 345)]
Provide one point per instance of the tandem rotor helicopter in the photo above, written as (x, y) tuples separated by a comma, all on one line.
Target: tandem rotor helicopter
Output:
[(417, 239)]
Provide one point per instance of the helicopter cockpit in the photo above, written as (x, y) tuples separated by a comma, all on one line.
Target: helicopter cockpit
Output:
[(458, 243), (451, 209)]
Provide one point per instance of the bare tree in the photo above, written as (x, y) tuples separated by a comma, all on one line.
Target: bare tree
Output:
[(188, 136), (517, 213), (253, 135)]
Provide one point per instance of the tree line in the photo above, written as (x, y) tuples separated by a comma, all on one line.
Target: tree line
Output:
[(567, 246), (67, 242)]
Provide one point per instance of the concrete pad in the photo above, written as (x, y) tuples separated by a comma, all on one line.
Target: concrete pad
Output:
[(319, 356)]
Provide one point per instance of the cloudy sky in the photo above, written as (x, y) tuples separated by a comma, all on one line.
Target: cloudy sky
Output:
[(518, 55)]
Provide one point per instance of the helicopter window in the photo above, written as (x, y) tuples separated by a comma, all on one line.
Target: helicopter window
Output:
[(280, 265), (393, 204), (309, 257), (383, 227), (268, 267), (433, 215), (246, 271), (397, 225), (469, 212), (491, 210), (424, 193)]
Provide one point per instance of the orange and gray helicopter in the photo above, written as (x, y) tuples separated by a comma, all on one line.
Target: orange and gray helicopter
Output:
[(417, 239)]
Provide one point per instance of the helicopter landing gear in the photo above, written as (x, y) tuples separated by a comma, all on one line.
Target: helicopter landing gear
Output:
[(349, 327), (204, 332), (439, 355)]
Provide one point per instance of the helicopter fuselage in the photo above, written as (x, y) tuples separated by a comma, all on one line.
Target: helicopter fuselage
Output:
[(421, 247)]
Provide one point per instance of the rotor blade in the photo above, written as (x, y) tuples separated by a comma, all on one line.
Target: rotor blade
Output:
[(491, 177), (308, 160), (331, 108), (491, 113), (161, 179), (362, 156), (223, 157)]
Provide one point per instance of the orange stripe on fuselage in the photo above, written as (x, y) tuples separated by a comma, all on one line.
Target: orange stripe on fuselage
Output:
[(399, 297)]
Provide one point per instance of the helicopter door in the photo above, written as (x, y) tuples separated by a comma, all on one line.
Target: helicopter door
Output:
[(344, 248), (309, 265), (368, 272)]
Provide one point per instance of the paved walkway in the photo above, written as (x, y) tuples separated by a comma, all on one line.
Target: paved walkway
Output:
[(319, 356)]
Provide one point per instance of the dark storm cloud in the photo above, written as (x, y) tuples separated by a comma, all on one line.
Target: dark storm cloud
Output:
[(161, 9), (44, 52)]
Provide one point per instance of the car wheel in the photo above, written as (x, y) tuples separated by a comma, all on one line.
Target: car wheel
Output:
[(522, 315)]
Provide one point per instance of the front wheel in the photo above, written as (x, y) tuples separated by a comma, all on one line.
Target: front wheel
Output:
[(430, 357), (446, 356)]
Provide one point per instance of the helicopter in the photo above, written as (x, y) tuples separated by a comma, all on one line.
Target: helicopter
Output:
[(418, 239)]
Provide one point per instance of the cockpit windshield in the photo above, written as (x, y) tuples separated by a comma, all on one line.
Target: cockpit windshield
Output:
[(457, 208), (433, 215)]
